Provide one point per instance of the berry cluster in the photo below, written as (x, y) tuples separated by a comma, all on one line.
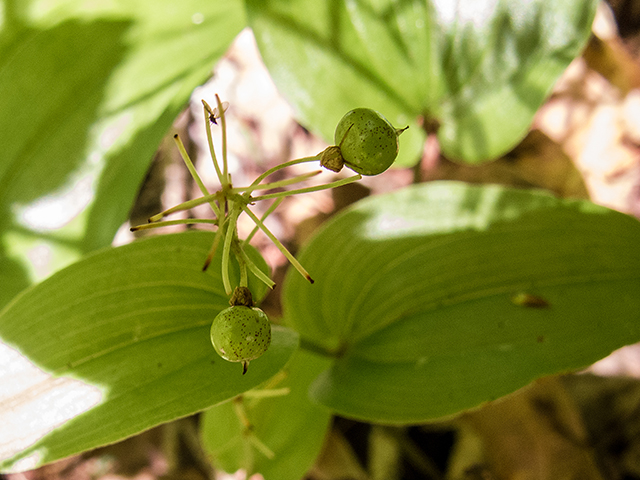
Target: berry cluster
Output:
[(366, 142)]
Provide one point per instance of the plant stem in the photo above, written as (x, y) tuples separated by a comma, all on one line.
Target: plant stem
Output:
[(244, 279), (189, 164), (260, 446), (186, 221), (278, 184), (188, 205), (269, 211), (316, 188), (214, 246), (260, 275), (238, 406), (277, 243), (284, 165), (226, 249), (269, 393), (194, 173), (223, 126), (207, 111)]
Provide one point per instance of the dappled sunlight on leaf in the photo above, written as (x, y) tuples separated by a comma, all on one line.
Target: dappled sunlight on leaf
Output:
[(34, 402), (423, 309), (133, 321)]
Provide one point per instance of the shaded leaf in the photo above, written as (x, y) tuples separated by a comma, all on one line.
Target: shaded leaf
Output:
[(124, 333), (414, 296), (87, 91), (290, 425), (479, 69)]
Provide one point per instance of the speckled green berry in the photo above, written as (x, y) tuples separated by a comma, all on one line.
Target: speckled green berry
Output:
[(368, 142), (241, 334)]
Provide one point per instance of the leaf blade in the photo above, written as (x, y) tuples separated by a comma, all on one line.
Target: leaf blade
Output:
[(423, 299), (88, 91), (478, 69), (291, 426), (132, 324)]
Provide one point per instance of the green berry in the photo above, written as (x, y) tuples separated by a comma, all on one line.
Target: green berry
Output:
[(241, 334), (368, 142)]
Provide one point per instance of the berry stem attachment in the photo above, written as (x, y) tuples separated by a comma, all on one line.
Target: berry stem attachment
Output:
[(241, 296)]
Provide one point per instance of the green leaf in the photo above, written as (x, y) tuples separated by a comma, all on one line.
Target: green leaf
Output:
[(123, 336), (87, 92), (289, 425), (303, 45), (432, 298), (479, 69)]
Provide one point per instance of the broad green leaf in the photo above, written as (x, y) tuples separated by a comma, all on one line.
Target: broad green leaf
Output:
[(421, 295), (87, 92), (290, 425), (479, 69), (303, 45), (122, 335)]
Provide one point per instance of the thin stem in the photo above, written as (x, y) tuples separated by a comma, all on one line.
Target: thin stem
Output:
[(207, 110), (268, 393), (317, 188), (244, 276), (260, 275), (189, 164), (194, 173), (269, 211), (226, 249), (223, 125), (186, 221), (189, 204), (238, 406), (272, 170), (260, 446), (277, 243), (244, 279), (214, 246), (278, 184)]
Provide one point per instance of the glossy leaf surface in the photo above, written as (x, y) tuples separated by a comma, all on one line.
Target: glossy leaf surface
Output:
[(426, 295), (122, 335)]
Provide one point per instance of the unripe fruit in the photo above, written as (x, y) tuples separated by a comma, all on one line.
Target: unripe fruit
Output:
[(241, 334), (368, 142)]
